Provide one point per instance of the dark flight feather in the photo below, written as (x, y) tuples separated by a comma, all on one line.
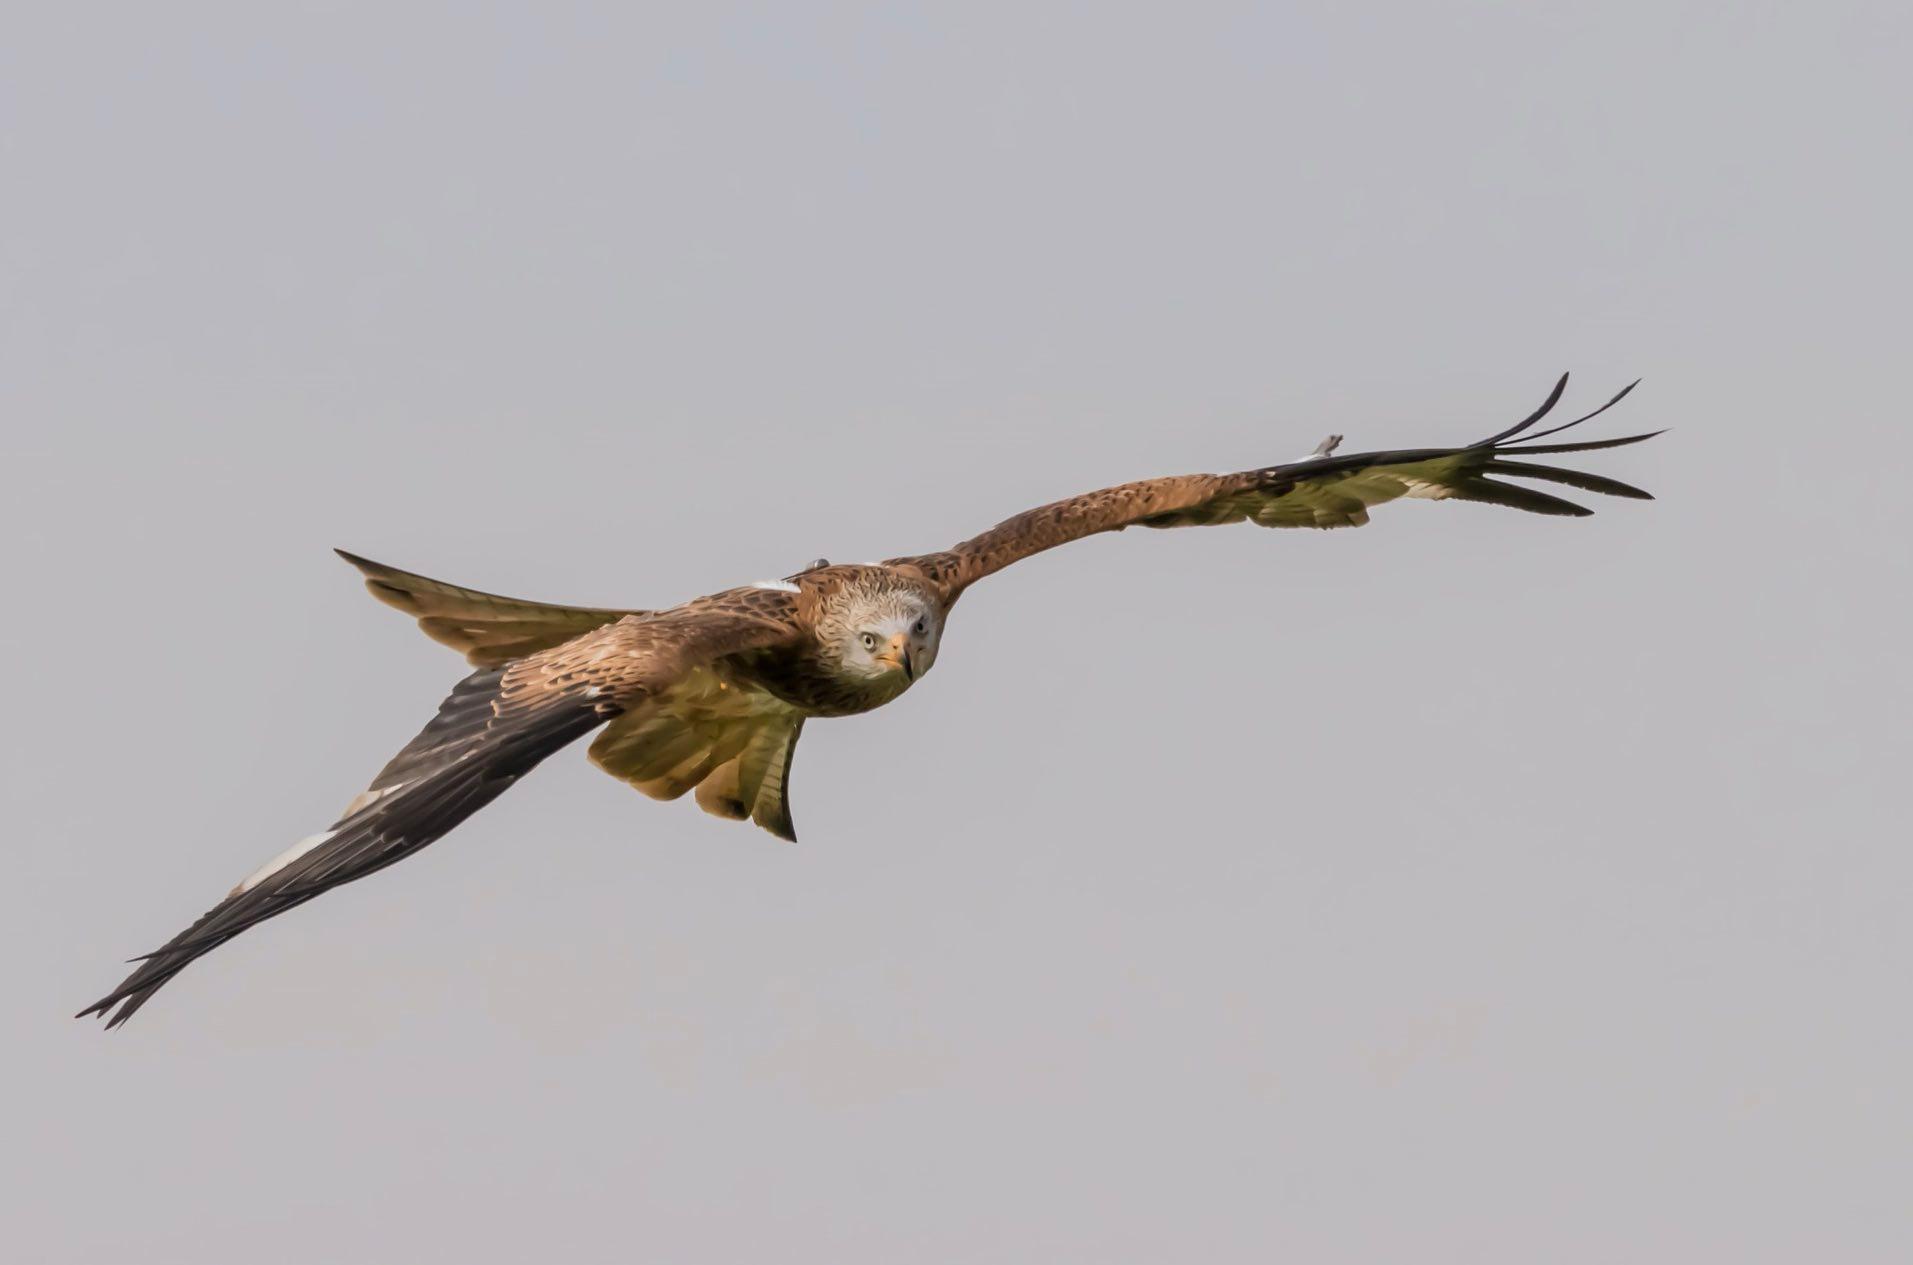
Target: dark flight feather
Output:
[(1572, 478), (1585, 446), (470, 753), (1585, 417), (1547, 406), (1513, 496)]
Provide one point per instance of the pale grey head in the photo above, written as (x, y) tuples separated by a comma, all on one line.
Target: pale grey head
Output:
[(881, 628)]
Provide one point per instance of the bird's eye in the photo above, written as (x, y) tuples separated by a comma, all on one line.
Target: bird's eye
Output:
[(869, 640), (918, 628)]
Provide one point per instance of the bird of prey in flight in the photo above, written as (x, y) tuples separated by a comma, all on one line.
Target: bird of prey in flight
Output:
[(711, 696)]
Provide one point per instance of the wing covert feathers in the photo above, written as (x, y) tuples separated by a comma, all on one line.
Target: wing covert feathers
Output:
[(1322, 490)]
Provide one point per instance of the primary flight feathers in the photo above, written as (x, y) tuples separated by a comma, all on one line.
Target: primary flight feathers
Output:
[(711, 696)]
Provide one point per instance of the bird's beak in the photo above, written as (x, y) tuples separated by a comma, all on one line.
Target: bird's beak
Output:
[(897, 655)]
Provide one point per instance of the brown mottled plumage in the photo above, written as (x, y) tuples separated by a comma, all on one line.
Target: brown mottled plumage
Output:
[(711, 696)]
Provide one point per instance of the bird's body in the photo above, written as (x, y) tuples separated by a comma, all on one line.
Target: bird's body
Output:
[(711, 696)]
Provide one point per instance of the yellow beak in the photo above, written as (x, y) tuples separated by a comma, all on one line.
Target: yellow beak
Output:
[(897, 655)]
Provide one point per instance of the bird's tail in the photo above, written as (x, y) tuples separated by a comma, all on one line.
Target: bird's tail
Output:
[(489, 630), (490, 732)]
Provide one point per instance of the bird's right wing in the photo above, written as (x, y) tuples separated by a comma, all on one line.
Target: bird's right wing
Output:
[(486, 628), (495, 727)]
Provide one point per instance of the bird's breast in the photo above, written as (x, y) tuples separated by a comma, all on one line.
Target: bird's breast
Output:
[(819, 690)]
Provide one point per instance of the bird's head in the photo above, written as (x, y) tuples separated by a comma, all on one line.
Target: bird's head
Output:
[(882, 629)]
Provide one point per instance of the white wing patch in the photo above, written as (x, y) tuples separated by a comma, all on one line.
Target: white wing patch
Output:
[(776, 586), (284, 859), (307, 844), (1422, 489), (366, 799)]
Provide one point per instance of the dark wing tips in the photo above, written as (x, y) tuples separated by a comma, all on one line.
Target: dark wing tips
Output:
[(1554, 397), (470, 753), (99, 1007), (1547, 406), (1515, 496), (128, 1002), (1512, 442), (1572, 478), (1585, 417), (1585, 446), (153, 971)]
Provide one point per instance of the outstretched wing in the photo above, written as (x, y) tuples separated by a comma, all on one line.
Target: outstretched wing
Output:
[(486, 628), (496, 726), (1321, 490)]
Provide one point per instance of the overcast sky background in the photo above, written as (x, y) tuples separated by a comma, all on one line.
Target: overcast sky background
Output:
[(1471, 887)]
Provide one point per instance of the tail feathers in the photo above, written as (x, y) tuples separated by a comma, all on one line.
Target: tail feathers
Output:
[(489, 630), (471, 753)]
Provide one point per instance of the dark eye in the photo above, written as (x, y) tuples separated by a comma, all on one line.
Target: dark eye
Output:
[(918, 628), (870, 641)]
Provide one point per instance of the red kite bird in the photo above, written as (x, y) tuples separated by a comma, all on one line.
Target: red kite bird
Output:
[(711, 696)]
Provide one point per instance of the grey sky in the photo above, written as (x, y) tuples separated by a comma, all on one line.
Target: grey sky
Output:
[(1472, 887)]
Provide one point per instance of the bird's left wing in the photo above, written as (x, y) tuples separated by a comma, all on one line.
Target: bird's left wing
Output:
[(495, 727), (1321, 490)]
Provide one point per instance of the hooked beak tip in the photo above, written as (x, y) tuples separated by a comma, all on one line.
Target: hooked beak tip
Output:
[(899, 657)]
